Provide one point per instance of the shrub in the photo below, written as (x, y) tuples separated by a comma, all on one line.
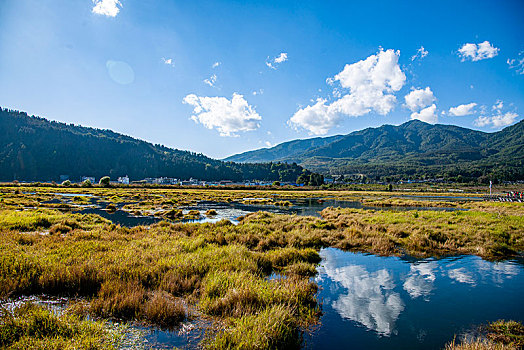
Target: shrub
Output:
[(104, 181), (86, 184)]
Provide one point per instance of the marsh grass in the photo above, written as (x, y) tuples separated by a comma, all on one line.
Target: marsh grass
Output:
[(491, 235), (499, 335), (164, 273), (507, 332), (478, 344), (30, 326), (273, 328)]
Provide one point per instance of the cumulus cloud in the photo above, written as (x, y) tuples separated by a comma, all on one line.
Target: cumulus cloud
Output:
[(498, 106), (517, 63), (421, 53), (369, 85), (418, 99), (428, 115), (227, 116), (497, 121), (420, 102), (258, 92), (281, 58), (276, 61), (216, 64), (168, 61), (109, 8), (477, 52), (211, 80), (317, 119), (462, 110)]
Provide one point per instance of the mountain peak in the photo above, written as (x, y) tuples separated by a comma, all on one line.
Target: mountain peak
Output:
[(427, 147)]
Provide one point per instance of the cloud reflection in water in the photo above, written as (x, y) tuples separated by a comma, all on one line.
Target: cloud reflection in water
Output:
[(370, 298), (420, 280)]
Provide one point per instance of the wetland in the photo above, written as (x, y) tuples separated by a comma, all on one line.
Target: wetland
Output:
[(221, 268)]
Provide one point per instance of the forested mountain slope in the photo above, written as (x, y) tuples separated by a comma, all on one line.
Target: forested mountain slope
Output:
[(414, 148), (36, 149)]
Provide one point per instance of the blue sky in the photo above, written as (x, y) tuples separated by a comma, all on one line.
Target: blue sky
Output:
[(222, 77)]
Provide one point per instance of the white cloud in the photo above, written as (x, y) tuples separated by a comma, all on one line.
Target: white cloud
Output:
[(482, 121), (419, 98), (498, 106), (109, 8), (517, 63), (497, 121), (226, 116), (276, 61), (268, 144), (281, 58), (168, 61), (477, 52), (428, 115), (211, 80), (462, 110), (258, 92), (216, 64), (317, 119), (380, 72), (421, 53), (371, 84)]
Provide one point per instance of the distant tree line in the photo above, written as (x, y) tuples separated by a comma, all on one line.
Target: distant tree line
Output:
[(36, 149)]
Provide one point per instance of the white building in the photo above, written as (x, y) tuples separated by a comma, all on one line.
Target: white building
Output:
[(124, 180)]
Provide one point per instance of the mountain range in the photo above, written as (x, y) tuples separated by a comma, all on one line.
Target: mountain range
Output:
[(413, 149), (36, 149)]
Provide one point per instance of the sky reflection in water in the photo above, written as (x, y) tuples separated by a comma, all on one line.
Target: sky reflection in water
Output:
[(387, 302)]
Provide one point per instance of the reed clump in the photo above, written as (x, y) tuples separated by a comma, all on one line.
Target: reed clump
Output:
[(498, 335), (506, 332), (30, 326), (478, 344)]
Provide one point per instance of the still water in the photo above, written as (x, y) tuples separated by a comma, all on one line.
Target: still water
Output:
[(372, 302), (231, 211)]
